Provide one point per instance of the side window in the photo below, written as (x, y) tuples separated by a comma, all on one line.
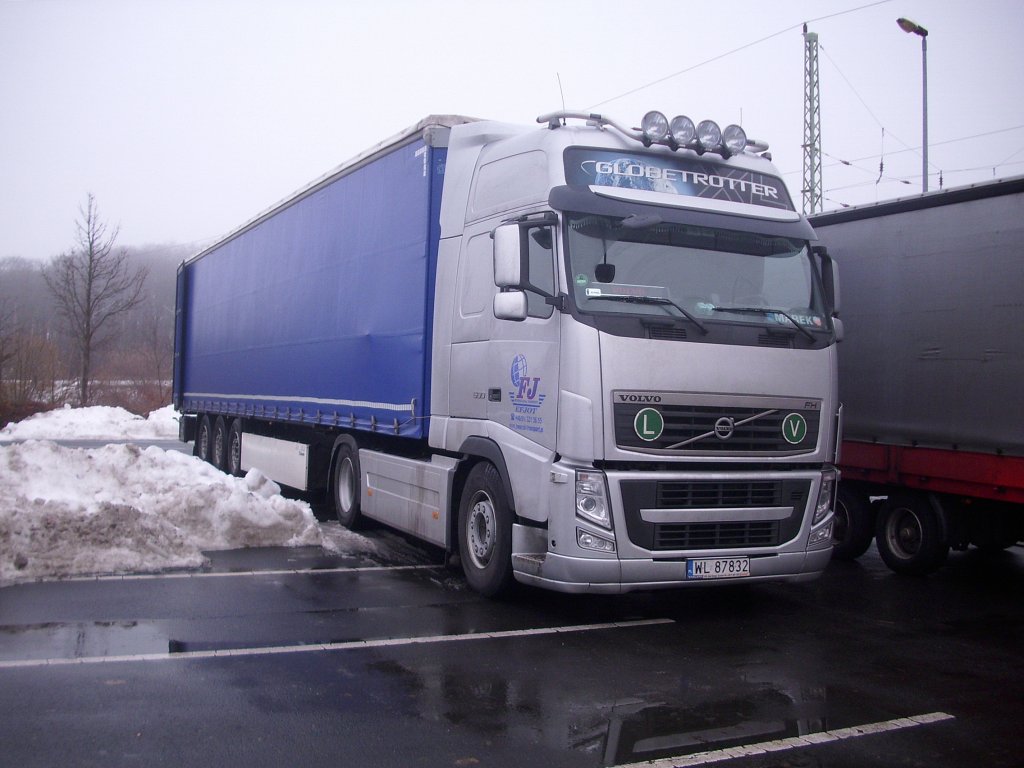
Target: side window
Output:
[(542, 271)]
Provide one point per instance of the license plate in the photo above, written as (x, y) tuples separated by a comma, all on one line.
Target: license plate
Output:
[(718, 568)]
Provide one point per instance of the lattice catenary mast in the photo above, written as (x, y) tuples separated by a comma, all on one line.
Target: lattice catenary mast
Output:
[(812, 126)]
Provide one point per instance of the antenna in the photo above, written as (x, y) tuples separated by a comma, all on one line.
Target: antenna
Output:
[(560, 91)]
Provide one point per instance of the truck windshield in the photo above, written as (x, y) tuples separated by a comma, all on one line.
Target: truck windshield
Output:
[(642, 266)]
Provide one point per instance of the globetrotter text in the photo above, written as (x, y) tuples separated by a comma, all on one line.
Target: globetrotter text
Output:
[(679, 175)]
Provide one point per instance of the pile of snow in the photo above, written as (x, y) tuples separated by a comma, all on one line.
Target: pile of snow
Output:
[(122, 508), (98, 422)]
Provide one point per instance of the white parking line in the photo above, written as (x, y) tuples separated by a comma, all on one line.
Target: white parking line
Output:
[(794, 742), (317, 647), (222, 574)]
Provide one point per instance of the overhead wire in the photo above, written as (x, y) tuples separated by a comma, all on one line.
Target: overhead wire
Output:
[(734, 50)]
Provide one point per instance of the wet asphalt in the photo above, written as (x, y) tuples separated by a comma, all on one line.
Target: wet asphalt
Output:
[(278, 657)]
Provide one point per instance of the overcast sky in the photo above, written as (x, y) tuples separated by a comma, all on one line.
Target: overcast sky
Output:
[(187, 117)]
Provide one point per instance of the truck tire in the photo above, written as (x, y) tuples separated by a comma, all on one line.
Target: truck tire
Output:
[(854, 526), (485, 532), (910, 535), (346, 486), (204, 439), (219, 445), (234, 450)]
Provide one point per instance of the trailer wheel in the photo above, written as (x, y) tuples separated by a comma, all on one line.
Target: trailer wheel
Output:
[(854, 526), (910, 535), (204, 439), (485, 532), (219, 446), (234, 458), (345, 484)]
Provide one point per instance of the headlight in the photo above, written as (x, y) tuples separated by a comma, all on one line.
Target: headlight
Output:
[(588, 540), (825, 496), (592, 498), (682, 130), (709, 135), (654, 126), (735, 139)]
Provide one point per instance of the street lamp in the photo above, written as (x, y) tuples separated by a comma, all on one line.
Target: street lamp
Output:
[(916, 29)]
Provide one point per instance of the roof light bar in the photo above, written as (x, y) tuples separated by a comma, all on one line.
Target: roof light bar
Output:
[(677, 133)]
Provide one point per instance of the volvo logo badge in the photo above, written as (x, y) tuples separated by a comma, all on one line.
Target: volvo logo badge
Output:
[(724, 428)]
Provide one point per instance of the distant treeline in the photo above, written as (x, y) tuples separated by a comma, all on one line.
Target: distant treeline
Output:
[(132, 368)]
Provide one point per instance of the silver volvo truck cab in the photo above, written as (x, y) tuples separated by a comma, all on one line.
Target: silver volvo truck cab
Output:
[(635, 331)]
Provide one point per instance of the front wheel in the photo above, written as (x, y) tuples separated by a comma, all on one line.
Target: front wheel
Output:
[(854, 525), (910, 535), (485, 532)]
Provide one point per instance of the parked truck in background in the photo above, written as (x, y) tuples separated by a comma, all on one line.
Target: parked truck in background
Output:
[(580, 356), (931, 373)]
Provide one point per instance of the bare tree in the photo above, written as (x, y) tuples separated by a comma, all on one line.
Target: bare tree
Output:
[(8, 338), (92, 284)]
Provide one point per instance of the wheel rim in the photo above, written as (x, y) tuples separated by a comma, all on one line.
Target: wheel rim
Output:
[(236, 454), (904, 533), (218, 450), (481, 528), (204, 442), (346, 485)]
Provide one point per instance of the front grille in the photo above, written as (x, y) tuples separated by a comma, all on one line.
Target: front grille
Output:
[(716, 535), (715, 500), (692, 428), (683, 495)]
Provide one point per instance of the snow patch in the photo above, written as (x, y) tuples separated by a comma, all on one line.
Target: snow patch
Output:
[(122, 508), (97, 422)]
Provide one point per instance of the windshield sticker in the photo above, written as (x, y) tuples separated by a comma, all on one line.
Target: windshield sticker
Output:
[(808, 321), (526, 398), (674, 175)]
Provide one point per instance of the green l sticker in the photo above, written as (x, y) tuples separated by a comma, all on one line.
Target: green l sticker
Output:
[(648, 424)]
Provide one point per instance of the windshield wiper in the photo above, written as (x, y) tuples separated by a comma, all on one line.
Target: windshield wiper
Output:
[(767, 311), (658, 300)]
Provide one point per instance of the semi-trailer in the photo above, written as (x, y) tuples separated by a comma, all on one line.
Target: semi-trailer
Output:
[(577, 355), (931, 373)]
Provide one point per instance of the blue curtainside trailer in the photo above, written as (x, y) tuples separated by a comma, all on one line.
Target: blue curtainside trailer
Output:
[(265, 320)]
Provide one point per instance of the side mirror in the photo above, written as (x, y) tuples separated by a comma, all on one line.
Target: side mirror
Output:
[(508, 256), (829, 277), (510, 305)]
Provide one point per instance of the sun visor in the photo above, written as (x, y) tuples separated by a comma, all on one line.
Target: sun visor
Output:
[(584, 200)]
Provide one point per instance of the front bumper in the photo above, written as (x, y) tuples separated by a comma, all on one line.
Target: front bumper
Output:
[(662, 519)]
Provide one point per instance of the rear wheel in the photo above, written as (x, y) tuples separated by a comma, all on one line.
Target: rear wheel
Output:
[(234, 455), (204, 439), (910, 535), (219, 447), (485, 532), (346, 486), (854, 526)]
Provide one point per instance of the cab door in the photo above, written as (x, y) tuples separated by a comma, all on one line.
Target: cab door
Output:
[(523, 356), (504, 373)]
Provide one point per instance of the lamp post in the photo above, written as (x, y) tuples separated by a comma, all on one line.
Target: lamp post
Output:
[(916, 29)]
